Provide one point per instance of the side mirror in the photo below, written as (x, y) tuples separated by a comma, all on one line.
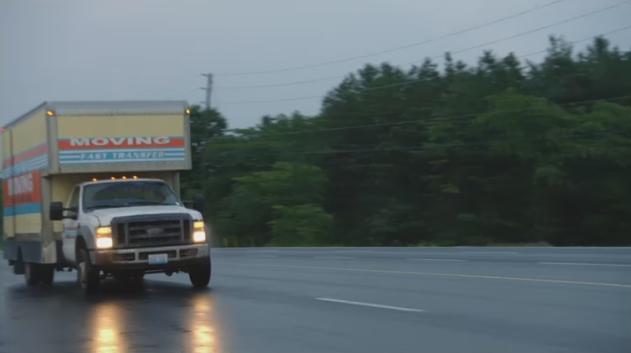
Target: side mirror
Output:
[(73, 212), (56, 211)]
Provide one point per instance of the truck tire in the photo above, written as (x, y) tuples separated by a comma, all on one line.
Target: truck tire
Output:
[(46, 275), (200, 274), (87, 276), (31, 274), (18, 267)]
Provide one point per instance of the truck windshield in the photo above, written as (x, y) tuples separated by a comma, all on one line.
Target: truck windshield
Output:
[(126, 194)]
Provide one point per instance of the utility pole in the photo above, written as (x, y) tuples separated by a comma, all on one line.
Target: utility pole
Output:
[(208, 88)]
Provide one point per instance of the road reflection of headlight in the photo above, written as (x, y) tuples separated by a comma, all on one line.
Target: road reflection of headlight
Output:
[(204, 337), (106, 337)]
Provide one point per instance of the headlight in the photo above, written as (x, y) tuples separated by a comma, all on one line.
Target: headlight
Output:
[(199, 232), (104, 238)]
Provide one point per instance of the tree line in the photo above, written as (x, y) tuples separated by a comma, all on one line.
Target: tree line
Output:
[(502, 152)]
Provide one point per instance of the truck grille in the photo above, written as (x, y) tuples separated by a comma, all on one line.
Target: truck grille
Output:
[(145, 232), (153, 232)]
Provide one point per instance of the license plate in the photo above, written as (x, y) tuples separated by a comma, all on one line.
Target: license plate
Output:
[(158, 259)]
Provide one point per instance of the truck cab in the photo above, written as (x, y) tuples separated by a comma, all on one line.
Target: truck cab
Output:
[(128, 226)]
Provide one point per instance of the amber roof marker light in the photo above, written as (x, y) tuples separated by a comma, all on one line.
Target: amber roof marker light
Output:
[(50, 113)]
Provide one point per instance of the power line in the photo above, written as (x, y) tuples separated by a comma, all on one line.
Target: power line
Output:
[(613, 31), (407, 46), (427, 147), (579, 135), (538, 29), (284, 84), (431, 119), (436, 57), (399, 84)]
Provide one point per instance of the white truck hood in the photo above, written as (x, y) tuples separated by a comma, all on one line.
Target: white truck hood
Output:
[(105, 215)]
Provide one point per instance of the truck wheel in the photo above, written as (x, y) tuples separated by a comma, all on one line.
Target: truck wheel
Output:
[(18, 267), (87, 275), (46, 275), (200, 274), (31, 274)]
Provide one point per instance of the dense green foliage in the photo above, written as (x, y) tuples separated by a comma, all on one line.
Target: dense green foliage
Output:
[(501, 152)]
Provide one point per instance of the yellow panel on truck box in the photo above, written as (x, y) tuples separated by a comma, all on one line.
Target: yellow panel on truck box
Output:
[(122, 142), (30, 133), (120, 126)]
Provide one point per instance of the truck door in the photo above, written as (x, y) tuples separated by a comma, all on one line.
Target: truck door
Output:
[(71, 225)]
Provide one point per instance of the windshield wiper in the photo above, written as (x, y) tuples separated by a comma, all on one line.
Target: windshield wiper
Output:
[(105, 205), (149, 203)]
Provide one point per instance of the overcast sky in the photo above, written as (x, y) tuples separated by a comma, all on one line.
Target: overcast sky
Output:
[(157, 49)]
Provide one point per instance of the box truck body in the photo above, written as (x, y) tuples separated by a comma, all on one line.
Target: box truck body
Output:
[(58, 151)]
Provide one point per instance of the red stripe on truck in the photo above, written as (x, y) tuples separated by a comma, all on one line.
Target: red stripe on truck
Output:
[(96, 143), (22, 156)]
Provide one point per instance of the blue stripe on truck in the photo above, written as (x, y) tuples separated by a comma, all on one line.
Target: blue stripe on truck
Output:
[(26, 208), (118, 156), (139, 155), (29, 165)]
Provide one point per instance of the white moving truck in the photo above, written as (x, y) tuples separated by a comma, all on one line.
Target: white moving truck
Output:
[(94, 186)]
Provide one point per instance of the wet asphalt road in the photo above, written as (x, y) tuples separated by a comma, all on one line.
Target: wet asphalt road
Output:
[(464, 299)]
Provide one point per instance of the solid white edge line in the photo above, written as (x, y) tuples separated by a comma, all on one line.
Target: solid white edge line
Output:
[(453, 275), (372, 305), (582, 264), (437, 260), (487, 253)]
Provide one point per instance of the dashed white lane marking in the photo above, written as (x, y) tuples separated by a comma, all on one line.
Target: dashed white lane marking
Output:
[(372, 305), (436, 260), (333, 257), (583, 264), (452, 275)]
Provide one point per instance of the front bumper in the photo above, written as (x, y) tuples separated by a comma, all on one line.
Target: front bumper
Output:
[(179, 256)]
